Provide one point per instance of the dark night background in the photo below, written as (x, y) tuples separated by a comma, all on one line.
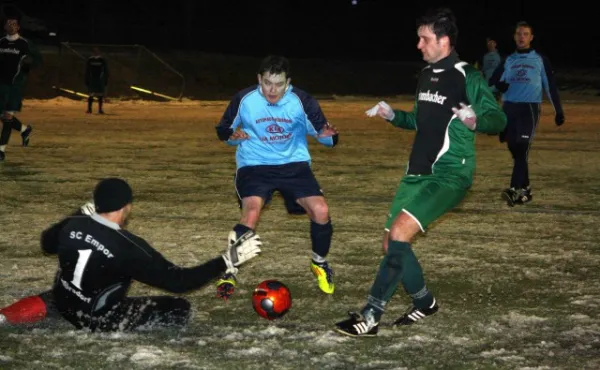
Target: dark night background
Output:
[(372, 29), (336, 48)]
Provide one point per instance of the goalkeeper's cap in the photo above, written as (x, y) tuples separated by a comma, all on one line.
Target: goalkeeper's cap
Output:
[(112, 194)]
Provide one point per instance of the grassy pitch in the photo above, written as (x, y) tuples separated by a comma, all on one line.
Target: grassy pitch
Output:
[(519, 288)]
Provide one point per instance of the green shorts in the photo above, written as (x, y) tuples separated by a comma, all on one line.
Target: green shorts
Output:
[(11, 98), (426, 198)]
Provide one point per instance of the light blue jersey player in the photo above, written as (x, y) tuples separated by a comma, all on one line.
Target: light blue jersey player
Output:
[(522, 78), (269, 124), (491, 61)]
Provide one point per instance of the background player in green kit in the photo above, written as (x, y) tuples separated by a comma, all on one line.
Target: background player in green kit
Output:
[(17, 57), (453, 102)]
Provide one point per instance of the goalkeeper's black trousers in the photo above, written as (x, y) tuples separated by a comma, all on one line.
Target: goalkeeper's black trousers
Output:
[(135, 313), (522, 120)]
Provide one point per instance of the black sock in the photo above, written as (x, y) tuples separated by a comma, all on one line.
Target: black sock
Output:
[(16, 124), (100, 102), (6, 131), (240, 230), (520, 174), (320, 236), (90, 101)]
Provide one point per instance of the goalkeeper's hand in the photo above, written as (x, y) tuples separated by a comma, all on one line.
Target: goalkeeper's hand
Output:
[(238, 251), (88, 209), (383, 110), (241, 250), (466, 115)]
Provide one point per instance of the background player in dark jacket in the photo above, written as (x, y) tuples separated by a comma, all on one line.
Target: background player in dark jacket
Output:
[(96, 79), (453, 102), (17, 56), (521, 78), (99, 260)]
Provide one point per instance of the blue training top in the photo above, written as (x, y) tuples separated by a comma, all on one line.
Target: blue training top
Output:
[(527, 73), (277, 132)]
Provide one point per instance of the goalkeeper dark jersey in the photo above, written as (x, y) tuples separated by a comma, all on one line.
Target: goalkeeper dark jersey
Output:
[(443, 144), (98, 262)]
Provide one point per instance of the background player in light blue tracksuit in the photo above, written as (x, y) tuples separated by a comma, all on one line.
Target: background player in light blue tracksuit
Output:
[(490, 62), (521, 78), (269, 123)]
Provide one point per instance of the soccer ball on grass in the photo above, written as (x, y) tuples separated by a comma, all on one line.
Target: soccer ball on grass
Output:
[(271, 299)]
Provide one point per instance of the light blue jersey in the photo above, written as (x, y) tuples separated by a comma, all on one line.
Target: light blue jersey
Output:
[(277, 132), (491, 61), (527, 73)]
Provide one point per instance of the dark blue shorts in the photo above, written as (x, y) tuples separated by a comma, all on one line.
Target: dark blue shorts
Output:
[(522, 120), (293, 181)]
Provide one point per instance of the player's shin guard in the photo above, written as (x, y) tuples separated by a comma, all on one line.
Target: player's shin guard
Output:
[(25, 311), (320, 236), (412, 274), (100, 103), (90, 102), (388, 277)]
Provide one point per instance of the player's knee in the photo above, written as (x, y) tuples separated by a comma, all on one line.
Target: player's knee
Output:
[(319, 212), (252, 209), (384, 243), (400, 233), (404, 228)]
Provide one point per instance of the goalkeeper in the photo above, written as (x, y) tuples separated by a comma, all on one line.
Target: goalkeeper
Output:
[(453, 102), (99, 260)]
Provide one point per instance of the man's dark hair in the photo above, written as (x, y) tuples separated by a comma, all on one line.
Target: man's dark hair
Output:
[(523, 24), (275, 64), (442, 22)]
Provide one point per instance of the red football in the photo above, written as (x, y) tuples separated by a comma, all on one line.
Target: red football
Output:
[(271, 299)]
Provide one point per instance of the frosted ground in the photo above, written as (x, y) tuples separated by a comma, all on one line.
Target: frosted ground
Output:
[(518, 288)]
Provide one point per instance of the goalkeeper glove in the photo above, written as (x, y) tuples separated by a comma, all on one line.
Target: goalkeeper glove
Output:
[(238, 251), (88, 209), (241, 249)]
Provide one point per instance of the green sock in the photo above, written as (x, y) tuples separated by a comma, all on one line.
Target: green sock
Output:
[(400, 265), (412, 276), (387, 279)]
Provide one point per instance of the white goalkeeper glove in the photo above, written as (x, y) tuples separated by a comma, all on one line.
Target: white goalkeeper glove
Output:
[(88, 209), (241, 250), (383, 110), (466, 115)]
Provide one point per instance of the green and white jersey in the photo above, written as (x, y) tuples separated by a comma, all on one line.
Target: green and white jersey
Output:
[(443, 144)]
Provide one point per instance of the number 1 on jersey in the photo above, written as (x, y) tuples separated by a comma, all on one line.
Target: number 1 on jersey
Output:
[(84, 256)]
